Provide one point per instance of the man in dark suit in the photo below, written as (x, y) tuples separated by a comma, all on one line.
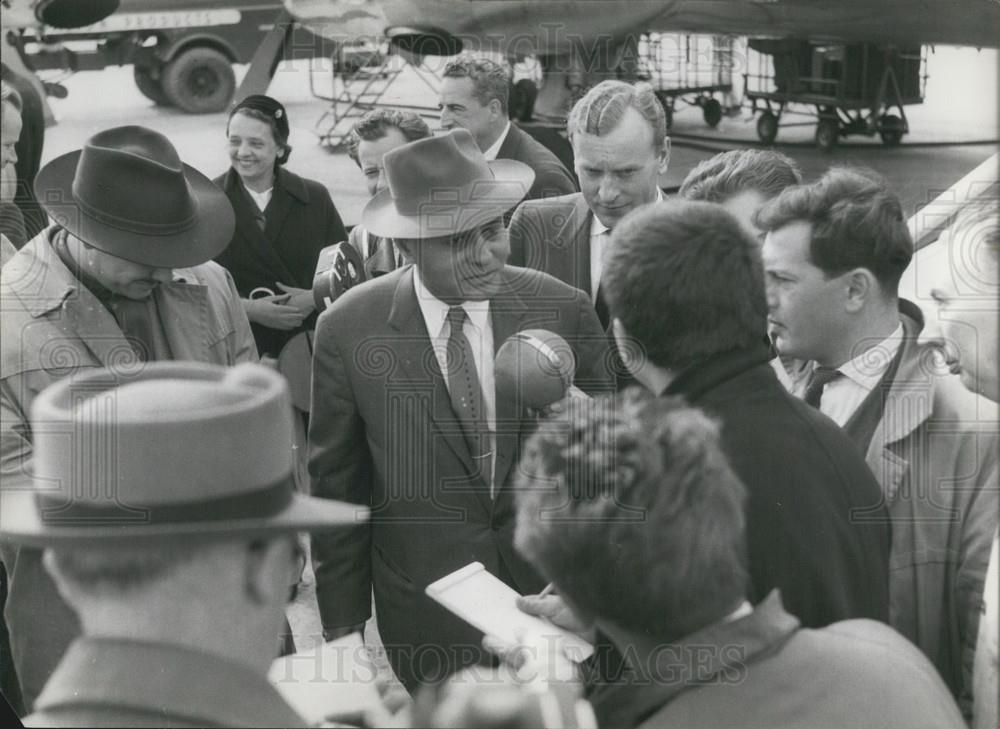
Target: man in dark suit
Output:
[(405, 417), (620, 144), (474, 95)]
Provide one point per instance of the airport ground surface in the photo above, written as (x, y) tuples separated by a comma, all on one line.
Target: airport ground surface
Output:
[(961, 107)]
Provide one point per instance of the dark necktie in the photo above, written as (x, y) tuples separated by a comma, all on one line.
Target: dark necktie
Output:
[(819, 379), (602, 308), (466, 394)]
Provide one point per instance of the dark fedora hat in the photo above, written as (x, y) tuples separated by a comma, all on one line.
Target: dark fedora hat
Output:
[(441, 186), (169, 451), (127, 193)]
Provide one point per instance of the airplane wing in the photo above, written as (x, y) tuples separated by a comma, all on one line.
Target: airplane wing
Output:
[(548, 27)]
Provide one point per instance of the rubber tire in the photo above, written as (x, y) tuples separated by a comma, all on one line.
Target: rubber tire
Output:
[(149, 87), (767, 127), (827, 133), (200, 81), (890, 130), (711, 110)]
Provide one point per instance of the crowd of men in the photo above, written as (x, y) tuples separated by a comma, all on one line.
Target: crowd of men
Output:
[(770, 499)]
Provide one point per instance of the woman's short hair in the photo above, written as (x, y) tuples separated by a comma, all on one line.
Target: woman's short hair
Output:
[(9, 94), (376, 123), (630, 508), (601, 110), (728, 174)]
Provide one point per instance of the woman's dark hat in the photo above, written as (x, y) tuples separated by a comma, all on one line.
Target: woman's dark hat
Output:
[(267, 106), (441, 186), (127, 193)]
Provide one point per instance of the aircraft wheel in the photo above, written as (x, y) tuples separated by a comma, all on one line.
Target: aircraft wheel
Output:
[(200, 80), (827, 133), (148, 86), (711, 110), (891, 130), (767, 127)]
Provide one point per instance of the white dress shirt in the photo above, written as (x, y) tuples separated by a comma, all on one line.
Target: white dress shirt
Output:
[(478, 330), (599, 235), (491, 153), (844, 395), (261, 198)]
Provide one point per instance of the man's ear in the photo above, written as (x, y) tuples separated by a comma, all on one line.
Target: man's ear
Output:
[(664, 156), (860, 286)]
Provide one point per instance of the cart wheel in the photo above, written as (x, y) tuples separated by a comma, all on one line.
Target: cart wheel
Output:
[(827, 132), (891, 128), (200, 80), (149, 86), (767, 127), (712, 111)]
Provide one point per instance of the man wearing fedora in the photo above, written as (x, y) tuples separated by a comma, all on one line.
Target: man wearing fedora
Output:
[(119, 280), (180, 573), (405, 415)]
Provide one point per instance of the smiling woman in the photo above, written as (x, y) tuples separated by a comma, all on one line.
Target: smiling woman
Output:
[(282, 223)]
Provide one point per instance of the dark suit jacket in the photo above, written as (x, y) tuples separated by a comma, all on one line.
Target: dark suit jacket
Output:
[(551, 177), (383, 434), (553, 236), (301, 221)]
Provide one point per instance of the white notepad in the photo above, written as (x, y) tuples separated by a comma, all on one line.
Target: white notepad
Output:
[(335, 679), (489, 604)]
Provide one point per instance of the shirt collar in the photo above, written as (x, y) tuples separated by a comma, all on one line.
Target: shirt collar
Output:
[(491, 153), (598, 228), (435, 311), (868, 367)]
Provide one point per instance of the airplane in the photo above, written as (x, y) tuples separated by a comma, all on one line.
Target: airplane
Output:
[(556, 27), (581, 42)]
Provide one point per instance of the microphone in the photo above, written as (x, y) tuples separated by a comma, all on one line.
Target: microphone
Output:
[(338, 268), (535, 367)]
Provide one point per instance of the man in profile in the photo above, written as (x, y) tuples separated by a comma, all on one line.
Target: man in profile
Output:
[(834, 254), (964, 328)]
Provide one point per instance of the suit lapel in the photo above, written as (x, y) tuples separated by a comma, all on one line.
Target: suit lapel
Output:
[(419, 364), (576, 231), (183, 313)]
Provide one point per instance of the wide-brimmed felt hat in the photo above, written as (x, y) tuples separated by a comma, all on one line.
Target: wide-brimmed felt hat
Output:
[(165, 452), (127, 193), (440, 186)]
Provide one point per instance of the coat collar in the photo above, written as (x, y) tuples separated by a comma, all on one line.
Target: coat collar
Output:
[(167, 680), (721, 651), (43, 284), (696, 380), (575, 233), (261, 242)]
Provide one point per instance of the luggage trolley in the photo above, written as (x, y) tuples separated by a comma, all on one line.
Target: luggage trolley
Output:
[(857, 88), (693, 68)]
